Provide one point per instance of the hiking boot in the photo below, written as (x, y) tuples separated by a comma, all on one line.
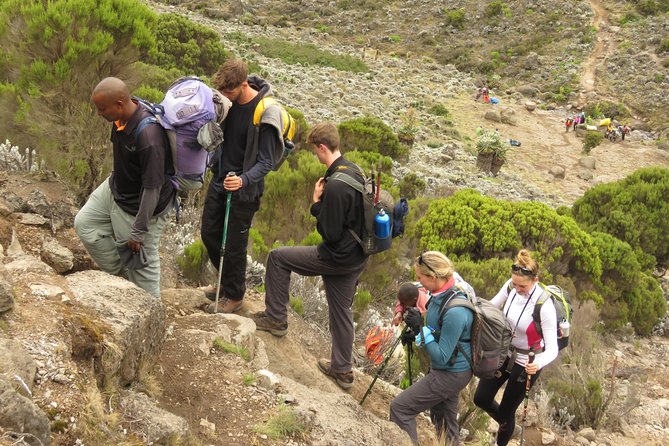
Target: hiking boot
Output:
[(343, 379), (268, 323), (226, 306), (210, 292)]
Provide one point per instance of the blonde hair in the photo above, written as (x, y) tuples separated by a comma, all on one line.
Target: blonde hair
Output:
[(524, 259), (434, 264)]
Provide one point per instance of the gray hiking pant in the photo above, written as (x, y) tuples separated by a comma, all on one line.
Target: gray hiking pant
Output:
[(101, 222), (438, 386), (340, 283)]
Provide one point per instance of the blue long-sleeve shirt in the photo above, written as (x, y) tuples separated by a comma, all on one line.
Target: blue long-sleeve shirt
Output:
[(456, 326)]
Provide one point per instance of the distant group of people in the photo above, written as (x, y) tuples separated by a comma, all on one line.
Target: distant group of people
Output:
[(573, 120), (483, 93), (613, 130), (129, 210)]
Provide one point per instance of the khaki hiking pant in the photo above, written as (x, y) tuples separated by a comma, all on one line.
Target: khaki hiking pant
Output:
[(101, 222)]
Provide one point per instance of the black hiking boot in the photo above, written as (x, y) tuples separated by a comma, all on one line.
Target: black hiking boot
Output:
[(268, 323)]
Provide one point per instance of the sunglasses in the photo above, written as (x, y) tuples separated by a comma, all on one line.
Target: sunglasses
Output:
[(421, 261), (522, 270)]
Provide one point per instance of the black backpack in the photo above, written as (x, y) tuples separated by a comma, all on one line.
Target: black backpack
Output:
[(374, 202)]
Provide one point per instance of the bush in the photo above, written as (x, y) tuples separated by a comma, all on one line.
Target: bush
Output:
[(186, 46), (361, 302), (308, 54), (411, 186), (592, 139), (439, 110), (496, 8), (469, 226), (634, 210), (372, 135), (193, 261), (664, 46), (455, 18)]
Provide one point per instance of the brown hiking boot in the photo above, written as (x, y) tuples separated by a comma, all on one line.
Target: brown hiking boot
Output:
[(343, 379), (210, 292), (268, 323), (226, 306)]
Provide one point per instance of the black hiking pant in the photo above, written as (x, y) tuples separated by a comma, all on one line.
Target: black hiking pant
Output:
[(514, 393), (233, 279)]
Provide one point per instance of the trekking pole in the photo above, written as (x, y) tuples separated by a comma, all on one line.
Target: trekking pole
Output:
[(383, 364), (528, 383), (409, 351), (223, 240)]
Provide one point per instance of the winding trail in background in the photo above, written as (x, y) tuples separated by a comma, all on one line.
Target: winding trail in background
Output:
[(602, 46)]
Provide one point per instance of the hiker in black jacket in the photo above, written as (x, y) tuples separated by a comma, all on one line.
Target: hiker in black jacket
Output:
[(248, 151), (338, 259)]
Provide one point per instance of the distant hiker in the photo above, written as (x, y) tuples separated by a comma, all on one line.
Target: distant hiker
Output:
[(624, 131), (249, 153), (339, 259), (517, 299), (121, 223), (568, 123), (450, 372)]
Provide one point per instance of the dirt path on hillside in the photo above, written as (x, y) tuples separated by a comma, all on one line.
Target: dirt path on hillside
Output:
[(545, 144), (603, 46)]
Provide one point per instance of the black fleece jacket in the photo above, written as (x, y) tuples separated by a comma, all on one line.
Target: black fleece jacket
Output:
[(339, 209)]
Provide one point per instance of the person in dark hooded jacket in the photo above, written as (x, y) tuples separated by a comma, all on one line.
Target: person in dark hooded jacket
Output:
[(248, 151)]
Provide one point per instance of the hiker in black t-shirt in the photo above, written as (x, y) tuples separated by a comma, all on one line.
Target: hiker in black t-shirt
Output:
[(339, 259), (126, 214), (248, 151)]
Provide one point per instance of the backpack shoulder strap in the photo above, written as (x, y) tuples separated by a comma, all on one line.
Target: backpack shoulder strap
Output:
[(348, 179), (536, 314), (143, 123), (262, 105)]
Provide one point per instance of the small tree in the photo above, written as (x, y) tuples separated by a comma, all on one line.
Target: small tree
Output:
[(592, 139)]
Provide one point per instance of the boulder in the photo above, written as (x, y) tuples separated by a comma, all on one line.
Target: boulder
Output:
[(57, 256), (153, 424), (17, 365), (529, 91), (509, 116), (19, 414), (493, 115), (135, 323), (557, 171), (6, 293), (530, 105), (588, 162)]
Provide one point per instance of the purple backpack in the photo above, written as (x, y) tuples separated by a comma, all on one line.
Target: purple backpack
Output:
[(188, 114)]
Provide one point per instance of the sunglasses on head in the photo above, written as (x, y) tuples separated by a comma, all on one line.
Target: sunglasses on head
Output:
[(421, 261), (522, 270)]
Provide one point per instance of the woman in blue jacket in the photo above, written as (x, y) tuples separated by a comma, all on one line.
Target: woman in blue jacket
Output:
[(439, 337)]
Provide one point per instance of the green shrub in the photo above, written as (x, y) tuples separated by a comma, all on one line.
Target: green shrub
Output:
[(308, 54), (664, 46), (591, 140), (411, 186), (149, 93), (187, 46), (469, 226), (455, 18), (372, 135), (193, 261), (634, 210), (439, 110), (285, 422), (257, 248), (496, 8), (361, 302), (297, 304)]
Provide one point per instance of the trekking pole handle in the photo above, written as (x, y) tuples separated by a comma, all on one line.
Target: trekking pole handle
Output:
[(530, 360)]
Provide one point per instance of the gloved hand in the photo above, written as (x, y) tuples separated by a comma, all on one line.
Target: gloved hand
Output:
[(413, 319), (408, 336), (425, 336)]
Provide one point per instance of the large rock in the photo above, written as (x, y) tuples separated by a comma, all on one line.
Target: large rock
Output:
[(17, 365), (530, 105), (155, 425), (57, 256), (509, 116), (21, 415), (6, 292), (529, 91), (589, 162), (135, 321), (493, 115)]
